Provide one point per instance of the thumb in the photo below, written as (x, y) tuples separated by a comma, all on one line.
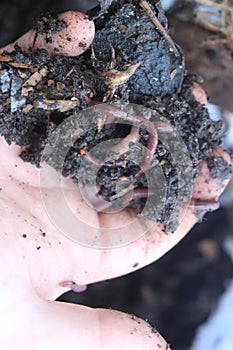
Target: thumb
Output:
[(63, 326)]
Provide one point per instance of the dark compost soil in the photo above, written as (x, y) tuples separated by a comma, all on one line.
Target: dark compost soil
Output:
[(125, 37)]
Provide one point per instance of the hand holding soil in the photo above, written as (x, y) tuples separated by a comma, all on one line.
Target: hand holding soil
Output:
[(39, 262)]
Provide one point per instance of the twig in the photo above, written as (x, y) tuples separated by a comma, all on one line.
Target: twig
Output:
[(144, 4)]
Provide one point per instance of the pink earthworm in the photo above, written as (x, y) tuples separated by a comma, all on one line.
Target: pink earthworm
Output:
[(138, 121), (89, 158), (138, 193), (120, 148), (163, 126), (123, 146), (73, 286), (100, 204), (112, 113), (195, 205), (200, 205), (141, 193), (91, 102)]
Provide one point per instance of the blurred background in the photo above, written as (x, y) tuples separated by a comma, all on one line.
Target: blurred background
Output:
[(188, 294)]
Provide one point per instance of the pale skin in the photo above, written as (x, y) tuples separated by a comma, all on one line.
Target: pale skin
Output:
[(36, 259)]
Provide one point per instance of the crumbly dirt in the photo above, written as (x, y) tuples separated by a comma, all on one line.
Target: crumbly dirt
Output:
[(32, 107), (219, 168), (49, 24)]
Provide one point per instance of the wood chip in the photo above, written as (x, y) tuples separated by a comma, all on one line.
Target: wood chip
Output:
[(8, 59), (27, 108), (33, 80), (50, 82), (5, 58), (59, 105), (60, 87), (36, 77), (19, 65)]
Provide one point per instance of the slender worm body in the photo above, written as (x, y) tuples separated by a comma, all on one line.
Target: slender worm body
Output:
[(73, 286), (110, 114)]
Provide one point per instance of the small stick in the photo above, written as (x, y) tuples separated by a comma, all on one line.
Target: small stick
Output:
[(146, 7)]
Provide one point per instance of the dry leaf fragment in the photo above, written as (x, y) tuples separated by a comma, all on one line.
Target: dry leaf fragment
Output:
[(27, 108), (113, 78), (59, 105), (36, 77), (33, 80), (19, 65)]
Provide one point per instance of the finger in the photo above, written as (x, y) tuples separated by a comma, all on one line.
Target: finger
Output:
[(66, 326), (209, 187), (200, 94), (69, 35)]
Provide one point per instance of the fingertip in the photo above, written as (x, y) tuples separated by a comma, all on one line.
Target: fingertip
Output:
[(121, 330), (69, 35), (72, 40), (200, 94), (214, 175)]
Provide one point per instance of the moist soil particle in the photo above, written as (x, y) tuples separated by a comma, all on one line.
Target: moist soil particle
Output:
[(125, 36), (219, 168), (49, 23)]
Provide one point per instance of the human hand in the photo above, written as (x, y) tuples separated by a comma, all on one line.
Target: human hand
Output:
[(40, 263)]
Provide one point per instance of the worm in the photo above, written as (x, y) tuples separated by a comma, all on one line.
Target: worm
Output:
[(200, 205), (123, 146), (91, 159), (138, 193), (111, 113), (73, 286), (135, 120)]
